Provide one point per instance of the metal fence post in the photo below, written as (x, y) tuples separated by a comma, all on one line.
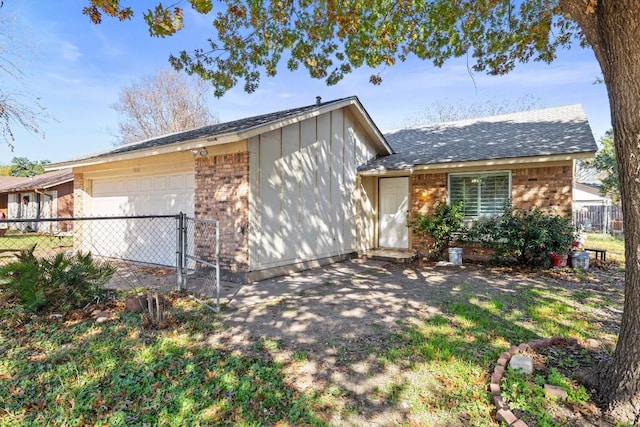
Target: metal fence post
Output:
[(218, 265), (185, 249), (179, 250)]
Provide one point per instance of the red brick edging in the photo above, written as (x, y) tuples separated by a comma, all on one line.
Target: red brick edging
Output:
[(503, 412)]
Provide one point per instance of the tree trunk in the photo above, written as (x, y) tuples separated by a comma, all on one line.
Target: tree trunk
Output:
[(613, 30)]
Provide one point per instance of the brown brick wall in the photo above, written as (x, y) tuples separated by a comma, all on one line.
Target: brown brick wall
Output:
[(547, 187), (78, 194), (78, 205), (65, 204), (426, 192), (222, 192)]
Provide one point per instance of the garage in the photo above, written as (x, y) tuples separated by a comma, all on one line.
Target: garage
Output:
[(149, 240), (151, 195)]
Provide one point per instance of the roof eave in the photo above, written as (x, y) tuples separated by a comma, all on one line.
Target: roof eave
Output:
[(177, 147), (224, 138), (36, 187), (372, 130), (481, 163)]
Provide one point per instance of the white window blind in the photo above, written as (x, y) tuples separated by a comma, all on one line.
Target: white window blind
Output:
[(483, 194)]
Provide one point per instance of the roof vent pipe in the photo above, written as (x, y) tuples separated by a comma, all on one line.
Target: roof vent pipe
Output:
[(318, 100)]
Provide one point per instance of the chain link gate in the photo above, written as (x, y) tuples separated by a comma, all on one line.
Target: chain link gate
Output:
[(198, 255), (146, 248)]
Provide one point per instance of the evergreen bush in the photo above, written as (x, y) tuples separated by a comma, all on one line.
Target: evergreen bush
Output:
[(62, 282), (525, 237), (442, 226)]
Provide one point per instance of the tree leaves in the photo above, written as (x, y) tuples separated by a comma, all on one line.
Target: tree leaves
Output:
[(110, 7), (330, 38), (164, 22), (605, 161)]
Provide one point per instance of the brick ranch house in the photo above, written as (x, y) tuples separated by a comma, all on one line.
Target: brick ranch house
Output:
[(307, 186), (49, 195), (527, 157)]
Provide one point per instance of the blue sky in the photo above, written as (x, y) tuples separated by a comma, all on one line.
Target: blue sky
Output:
[(77, 69)]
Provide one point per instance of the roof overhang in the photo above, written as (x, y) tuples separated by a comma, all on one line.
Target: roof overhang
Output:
[(38, 182), (452, 166), (224, 138)]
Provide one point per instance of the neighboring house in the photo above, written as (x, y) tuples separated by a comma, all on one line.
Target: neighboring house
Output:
[(302, 187), (283, 186), (593, 211), (6, 182), (49, 195), (527, 158), (588, 194)]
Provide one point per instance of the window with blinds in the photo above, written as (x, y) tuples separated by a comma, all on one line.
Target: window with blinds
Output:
[(481, 194)]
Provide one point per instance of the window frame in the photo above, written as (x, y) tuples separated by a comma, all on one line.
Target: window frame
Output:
[(478, 174)]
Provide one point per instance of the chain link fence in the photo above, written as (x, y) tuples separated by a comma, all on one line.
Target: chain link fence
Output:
[(160, 252), (200, 272)]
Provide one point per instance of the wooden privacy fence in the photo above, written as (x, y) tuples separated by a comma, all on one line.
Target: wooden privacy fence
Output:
[(599, 218)]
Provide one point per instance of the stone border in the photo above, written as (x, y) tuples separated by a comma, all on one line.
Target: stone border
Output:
[(503, 412)]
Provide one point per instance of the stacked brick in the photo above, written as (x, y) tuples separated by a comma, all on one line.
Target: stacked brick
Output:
[(548, 188), (222, 192)]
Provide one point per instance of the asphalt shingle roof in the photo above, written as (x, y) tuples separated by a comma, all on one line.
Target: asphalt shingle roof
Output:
[(235, 126), (9, 181), (46, 180), (549, 131)]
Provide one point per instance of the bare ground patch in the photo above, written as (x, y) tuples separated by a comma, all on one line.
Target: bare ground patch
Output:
[(334, 324), (336, 329)]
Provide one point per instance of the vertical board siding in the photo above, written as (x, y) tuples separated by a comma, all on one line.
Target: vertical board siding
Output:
[(255, 227), (338, 194), (309, 216), (368, 213), (349, 184), (289, 164), (324, 227), (303, 190), (271, 244)]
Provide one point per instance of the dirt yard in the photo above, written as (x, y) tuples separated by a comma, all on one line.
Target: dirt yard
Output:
[(338, 315), (336, 305)]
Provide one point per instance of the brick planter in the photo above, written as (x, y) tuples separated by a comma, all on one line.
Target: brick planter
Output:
[(503, 413)]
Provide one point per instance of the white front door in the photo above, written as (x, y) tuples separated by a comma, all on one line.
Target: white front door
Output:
[(394, 204)]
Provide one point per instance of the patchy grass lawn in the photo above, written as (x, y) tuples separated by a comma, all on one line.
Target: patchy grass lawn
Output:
[(614, 245), (15, 241), (430, 368)]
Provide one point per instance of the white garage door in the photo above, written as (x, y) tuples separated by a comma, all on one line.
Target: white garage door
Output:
[(149, 240), (152, 195)]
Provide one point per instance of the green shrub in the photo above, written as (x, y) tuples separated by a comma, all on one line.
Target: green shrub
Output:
[(526, 237), (442, 225), (61, 282)]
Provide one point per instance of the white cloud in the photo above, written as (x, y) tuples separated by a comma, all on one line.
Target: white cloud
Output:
[(69, 51)]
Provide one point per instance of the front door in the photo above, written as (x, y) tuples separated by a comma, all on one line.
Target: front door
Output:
[(394, 204)]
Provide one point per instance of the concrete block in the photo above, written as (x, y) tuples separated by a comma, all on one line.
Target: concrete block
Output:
[(524, 363)]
